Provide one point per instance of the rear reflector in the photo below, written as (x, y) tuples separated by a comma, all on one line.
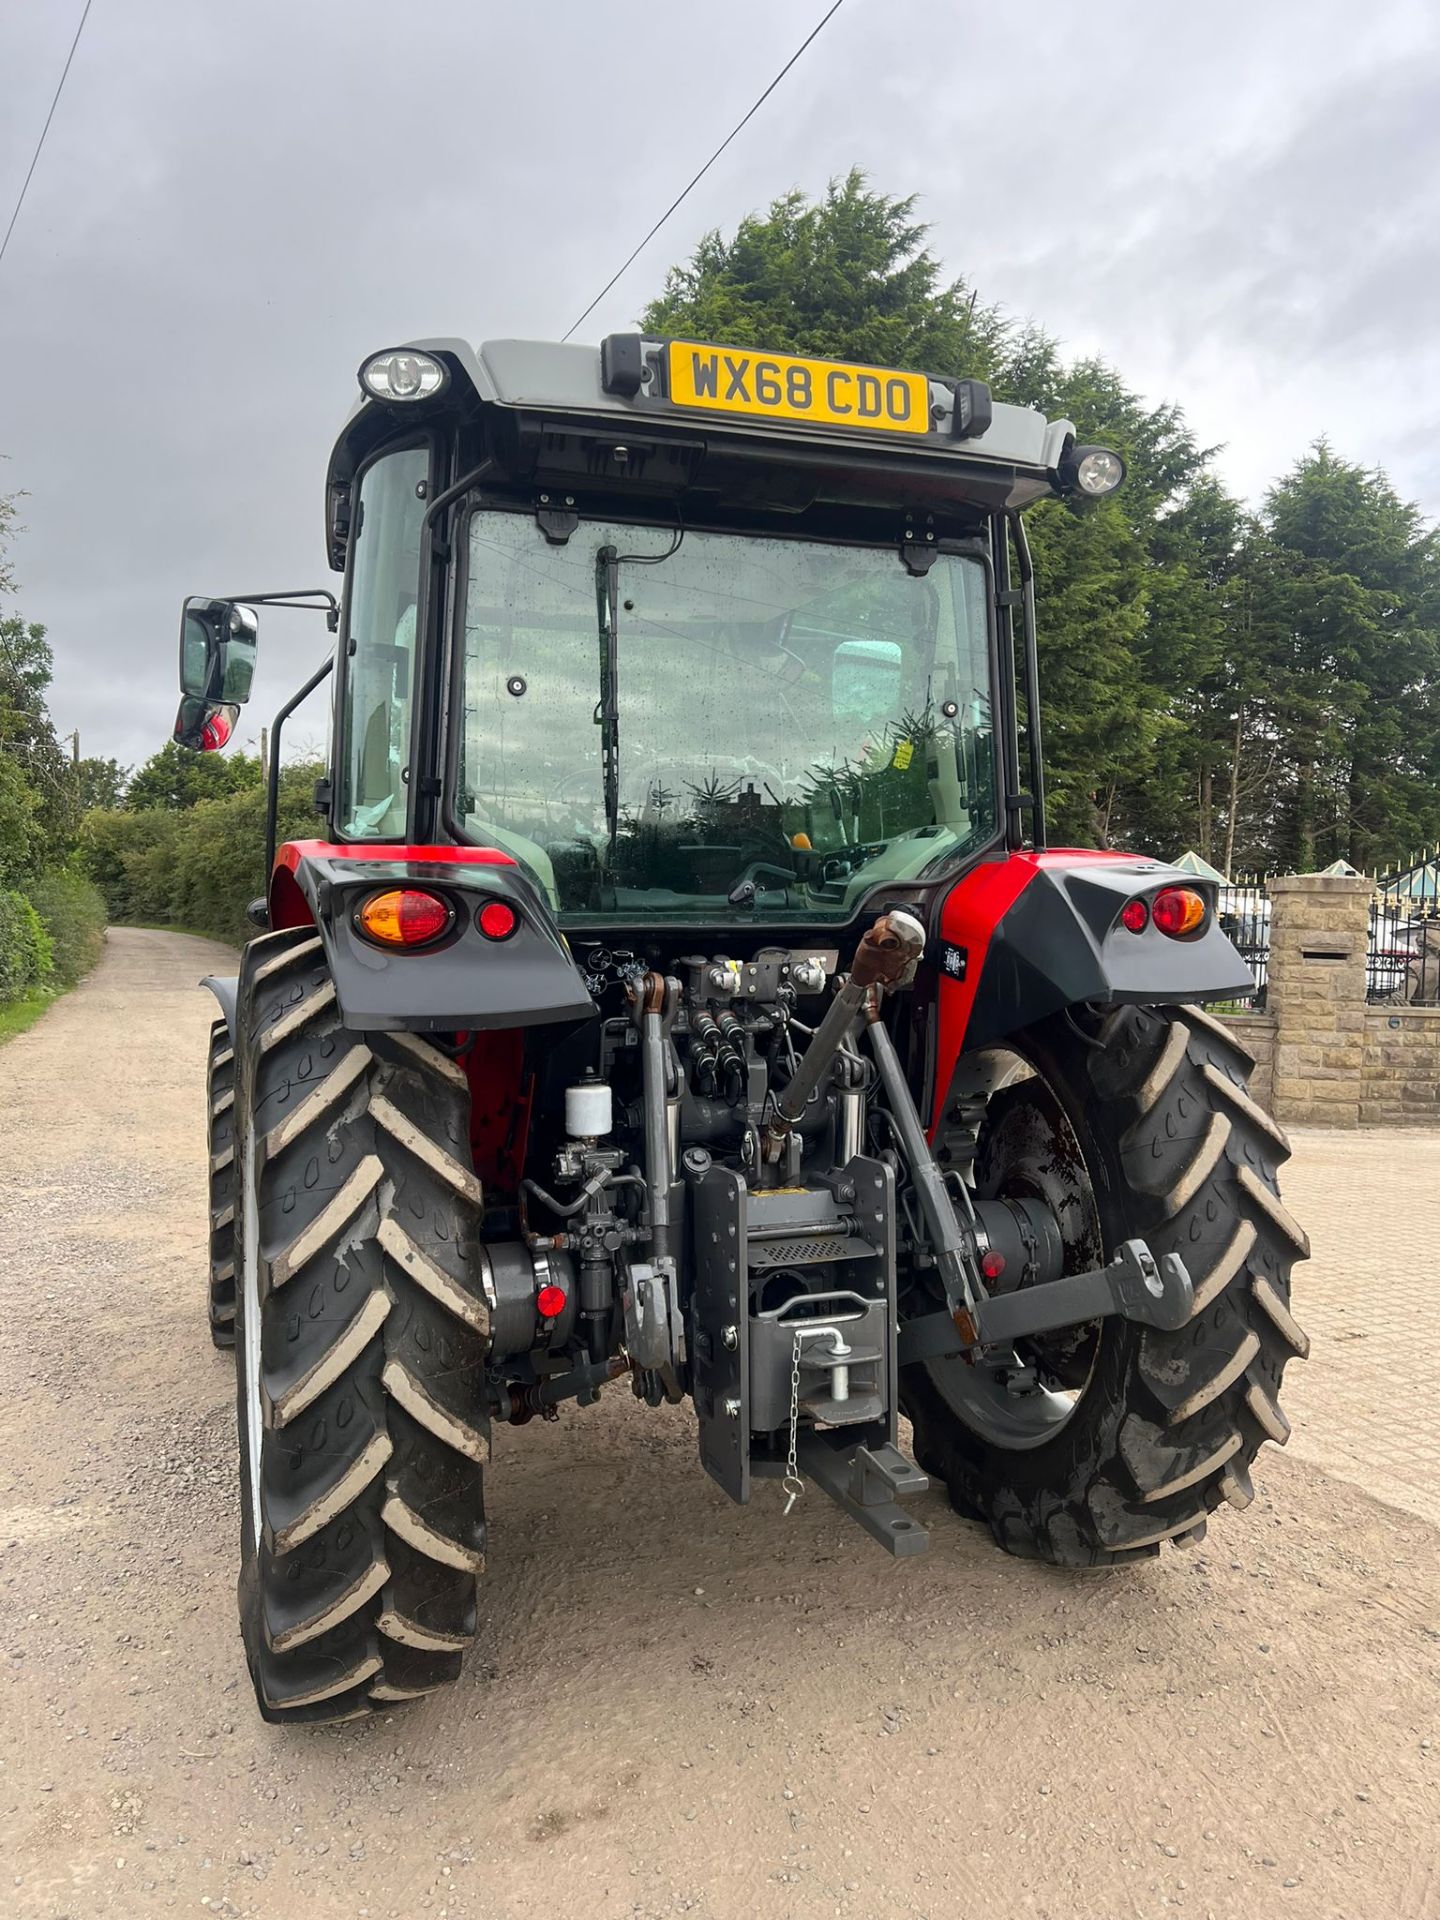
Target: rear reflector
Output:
[(550, 1302), (1177, 911), (404, 917), (217, 729), (497, 920)]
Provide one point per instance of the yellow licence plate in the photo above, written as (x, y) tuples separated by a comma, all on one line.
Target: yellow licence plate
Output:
[(776, 386)]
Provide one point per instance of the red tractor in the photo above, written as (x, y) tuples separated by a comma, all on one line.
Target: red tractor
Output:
[(684, 1000)]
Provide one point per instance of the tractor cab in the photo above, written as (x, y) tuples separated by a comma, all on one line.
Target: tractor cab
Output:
[(695, 635)]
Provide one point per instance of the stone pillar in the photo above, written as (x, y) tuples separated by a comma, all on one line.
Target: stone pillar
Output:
[(1319, 940)]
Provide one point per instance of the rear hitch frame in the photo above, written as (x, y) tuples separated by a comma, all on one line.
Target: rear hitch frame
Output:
[(866, 1482), (1133, 1285)]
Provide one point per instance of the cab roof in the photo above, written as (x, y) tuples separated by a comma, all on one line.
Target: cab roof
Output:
[(541, 394)]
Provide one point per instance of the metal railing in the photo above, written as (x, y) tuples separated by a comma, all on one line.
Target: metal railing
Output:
[(1403, 962), (1244, 914)]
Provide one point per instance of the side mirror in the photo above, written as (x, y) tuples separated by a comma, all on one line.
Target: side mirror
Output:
[(204, 725), (217, 651)]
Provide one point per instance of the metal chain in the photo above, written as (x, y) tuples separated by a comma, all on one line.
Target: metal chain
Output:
[(792, 1483)]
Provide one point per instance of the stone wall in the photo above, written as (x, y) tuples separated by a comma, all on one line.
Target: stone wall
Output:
[(1319, 935), (1400, 1076), (1324, 1057), (1256, 1033)]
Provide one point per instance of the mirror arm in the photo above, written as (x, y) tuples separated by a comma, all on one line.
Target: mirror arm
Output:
[(303, 599), (272, 772), (318, 598), (451, 494)]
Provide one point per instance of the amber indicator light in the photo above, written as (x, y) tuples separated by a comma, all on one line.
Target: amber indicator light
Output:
[(1177, 911), (404, 917)]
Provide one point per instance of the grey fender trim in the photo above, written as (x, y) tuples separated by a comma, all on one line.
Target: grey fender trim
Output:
[(1061, 943), (225, 991), (464, 982)]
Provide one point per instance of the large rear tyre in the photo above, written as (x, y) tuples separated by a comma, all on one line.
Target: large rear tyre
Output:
[(220, 1108), (361, 1343), (1140, 1126)]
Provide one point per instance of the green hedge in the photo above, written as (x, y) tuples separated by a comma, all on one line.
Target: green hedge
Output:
[(130, 857), (25, 959), (72, 912), (198, 867)]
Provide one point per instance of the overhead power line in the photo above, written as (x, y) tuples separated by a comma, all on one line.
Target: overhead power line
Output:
[(40, 143), (813, 35)]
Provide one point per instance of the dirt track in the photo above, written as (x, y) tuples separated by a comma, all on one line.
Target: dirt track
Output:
[(676, 1706)]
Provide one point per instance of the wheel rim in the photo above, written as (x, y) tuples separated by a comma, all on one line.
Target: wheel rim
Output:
[(1027, 1149), (250, 1347)]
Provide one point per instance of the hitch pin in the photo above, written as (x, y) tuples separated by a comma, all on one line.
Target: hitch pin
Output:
[(793, 1485), (840, 1374)]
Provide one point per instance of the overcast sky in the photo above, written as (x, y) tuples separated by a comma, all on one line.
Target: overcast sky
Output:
[(1237, 204)]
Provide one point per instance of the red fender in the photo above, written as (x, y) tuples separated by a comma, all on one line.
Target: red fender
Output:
[(972, 910)]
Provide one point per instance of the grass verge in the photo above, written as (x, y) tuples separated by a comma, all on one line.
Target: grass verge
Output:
[(24, 1012)]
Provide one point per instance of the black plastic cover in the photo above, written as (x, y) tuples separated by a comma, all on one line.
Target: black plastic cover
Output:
[(1062, 943), (463, 983), (226, 991)]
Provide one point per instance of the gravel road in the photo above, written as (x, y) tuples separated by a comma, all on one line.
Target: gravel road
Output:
[(676, 1707)]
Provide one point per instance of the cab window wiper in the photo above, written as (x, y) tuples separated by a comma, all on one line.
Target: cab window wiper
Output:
[(607, 710)]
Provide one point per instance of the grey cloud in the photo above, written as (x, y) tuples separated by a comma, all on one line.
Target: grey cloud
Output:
[(237, 204)]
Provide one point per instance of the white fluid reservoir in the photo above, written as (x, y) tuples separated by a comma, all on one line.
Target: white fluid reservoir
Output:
[(588, 1110)]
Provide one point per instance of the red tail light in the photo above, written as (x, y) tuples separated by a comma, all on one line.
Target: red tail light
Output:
[(1135, 916), (1178, 911), (404, 917), (497, 920)]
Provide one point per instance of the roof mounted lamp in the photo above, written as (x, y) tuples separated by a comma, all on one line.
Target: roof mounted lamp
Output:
[(402, 375), (1091, 472)]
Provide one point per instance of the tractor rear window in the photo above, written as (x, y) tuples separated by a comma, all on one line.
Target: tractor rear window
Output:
[(696, 726)]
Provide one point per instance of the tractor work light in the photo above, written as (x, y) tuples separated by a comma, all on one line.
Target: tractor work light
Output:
[(1177, 911), (1099, 472), (1091, 471), (403, 376), (404, 917)]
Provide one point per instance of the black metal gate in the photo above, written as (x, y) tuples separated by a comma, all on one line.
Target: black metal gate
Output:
[(1244, 913), (1403, 963)]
